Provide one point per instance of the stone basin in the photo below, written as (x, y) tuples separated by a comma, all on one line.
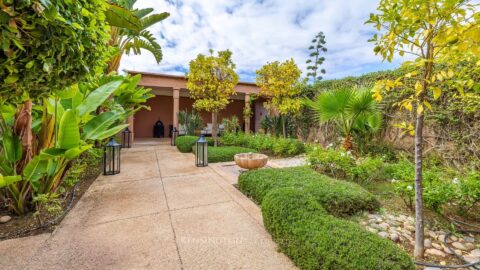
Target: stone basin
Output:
[(250, 161)]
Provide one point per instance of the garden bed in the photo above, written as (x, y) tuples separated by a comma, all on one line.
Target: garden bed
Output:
[(301, 208), (28, 225)]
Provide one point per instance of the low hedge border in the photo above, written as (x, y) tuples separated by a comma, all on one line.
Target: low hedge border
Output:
[(270, 145), (185, 143), (339, 198), (225, 153), (314, 239)]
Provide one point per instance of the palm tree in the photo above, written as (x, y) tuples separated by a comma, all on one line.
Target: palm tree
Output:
[(129, 30), (352, 110)]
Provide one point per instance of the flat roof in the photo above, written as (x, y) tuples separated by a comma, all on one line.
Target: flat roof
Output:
[(173, 76)]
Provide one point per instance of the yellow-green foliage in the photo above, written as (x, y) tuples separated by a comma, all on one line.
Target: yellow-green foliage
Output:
[(212, 80), (280, 82)]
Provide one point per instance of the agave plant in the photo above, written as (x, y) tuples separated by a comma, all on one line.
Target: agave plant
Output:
[(191, 121), (129, 30), (352, 110)]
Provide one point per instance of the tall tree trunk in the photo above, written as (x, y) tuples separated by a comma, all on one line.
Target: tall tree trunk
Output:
[(214, 127), (419, 232)]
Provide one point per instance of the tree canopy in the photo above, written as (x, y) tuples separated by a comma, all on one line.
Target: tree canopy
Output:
[(47, 45)]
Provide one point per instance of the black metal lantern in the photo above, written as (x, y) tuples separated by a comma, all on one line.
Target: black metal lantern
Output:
[(126, 138), (201, 153), (174, 136), (111, 158)]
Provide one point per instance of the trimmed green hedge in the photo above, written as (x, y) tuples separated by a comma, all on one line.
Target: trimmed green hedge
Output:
[(185, 143), (315, 240), (282, 147), (225, 153), (339, 198)]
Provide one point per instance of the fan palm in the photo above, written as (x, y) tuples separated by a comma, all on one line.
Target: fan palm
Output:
[(129, 30), (352, 110)]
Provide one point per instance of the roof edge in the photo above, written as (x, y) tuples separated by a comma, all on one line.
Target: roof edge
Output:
[(172, 76)]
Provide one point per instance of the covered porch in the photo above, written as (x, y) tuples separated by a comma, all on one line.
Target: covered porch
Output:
[(171, 96)]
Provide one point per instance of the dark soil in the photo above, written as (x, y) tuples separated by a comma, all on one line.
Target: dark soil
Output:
[(28, 225)]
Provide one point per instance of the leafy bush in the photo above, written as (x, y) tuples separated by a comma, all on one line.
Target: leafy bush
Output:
[(190, 121), (469, 191), (337, 197), (185, 143), (336, 163), (267, 144), (87, 164), (316, 240), (225, 153), (368, 169), (231, 125)]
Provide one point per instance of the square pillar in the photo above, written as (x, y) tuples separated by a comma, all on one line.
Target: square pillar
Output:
[(248, 109), (176, 106)]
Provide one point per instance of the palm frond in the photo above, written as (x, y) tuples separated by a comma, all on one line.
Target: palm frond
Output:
[(332, 104), (137, 44), (362, 103)]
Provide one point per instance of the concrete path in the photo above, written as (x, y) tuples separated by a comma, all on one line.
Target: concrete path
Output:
[(161, 212)]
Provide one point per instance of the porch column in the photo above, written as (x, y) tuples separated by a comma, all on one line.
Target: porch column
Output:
[(247, 108), (176, 106)]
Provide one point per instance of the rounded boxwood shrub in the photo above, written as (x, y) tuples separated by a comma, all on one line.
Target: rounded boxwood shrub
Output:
[(185, 143), (315, 240), (339, 198)]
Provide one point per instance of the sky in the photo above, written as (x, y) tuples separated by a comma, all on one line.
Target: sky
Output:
[(261, 31)]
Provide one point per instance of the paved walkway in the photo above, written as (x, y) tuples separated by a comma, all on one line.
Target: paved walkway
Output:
[(161, 212)]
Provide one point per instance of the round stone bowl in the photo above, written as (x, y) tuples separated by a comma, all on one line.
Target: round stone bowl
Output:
[(250, 161)]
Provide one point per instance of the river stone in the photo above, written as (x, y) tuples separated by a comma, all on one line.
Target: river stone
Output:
[(459, 245), (454, 238), (433, 235), (383, 234), (437, 246), (441, 238), (447, 250), (469, 246), (410, 228), (384, 225), (435, 252), (469, 239), (428, 243), (5, 219), (370, 229), (394, 237), (475, 252)]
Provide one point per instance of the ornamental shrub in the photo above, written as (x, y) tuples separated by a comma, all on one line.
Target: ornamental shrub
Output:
[(282, 147), (48, 45), (226, 153), (316, 240), (339, 198), (185, 143), (335, 163)]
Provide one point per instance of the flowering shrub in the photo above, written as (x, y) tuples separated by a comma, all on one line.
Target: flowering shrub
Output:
[(335, 163)]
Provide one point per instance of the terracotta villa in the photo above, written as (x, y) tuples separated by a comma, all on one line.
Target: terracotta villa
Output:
[(171, 96)]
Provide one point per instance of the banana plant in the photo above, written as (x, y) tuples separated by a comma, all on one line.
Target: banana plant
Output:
[(67, 126)]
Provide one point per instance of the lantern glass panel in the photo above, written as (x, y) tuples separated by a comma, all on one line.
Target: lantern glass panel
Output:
[(111, 158), (126, 138), (201, 152), (174, 136)]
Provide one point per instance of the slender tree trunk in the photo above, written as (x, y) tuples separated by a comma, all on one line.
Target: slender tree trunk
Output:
[(23, 129), (419, 232), (214, 127)]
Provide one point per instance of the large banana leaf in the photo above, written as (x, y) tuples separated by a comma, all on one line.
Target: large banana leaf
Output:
[(99, 124), (12, 148), (69, 132), (97, 97), (8, 180), (123, 18), (35, 170), (109, 133), (77, 151)]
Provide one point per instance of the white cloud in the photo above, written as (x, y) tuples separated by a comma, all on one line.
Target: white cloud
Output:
[(261, 31)]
